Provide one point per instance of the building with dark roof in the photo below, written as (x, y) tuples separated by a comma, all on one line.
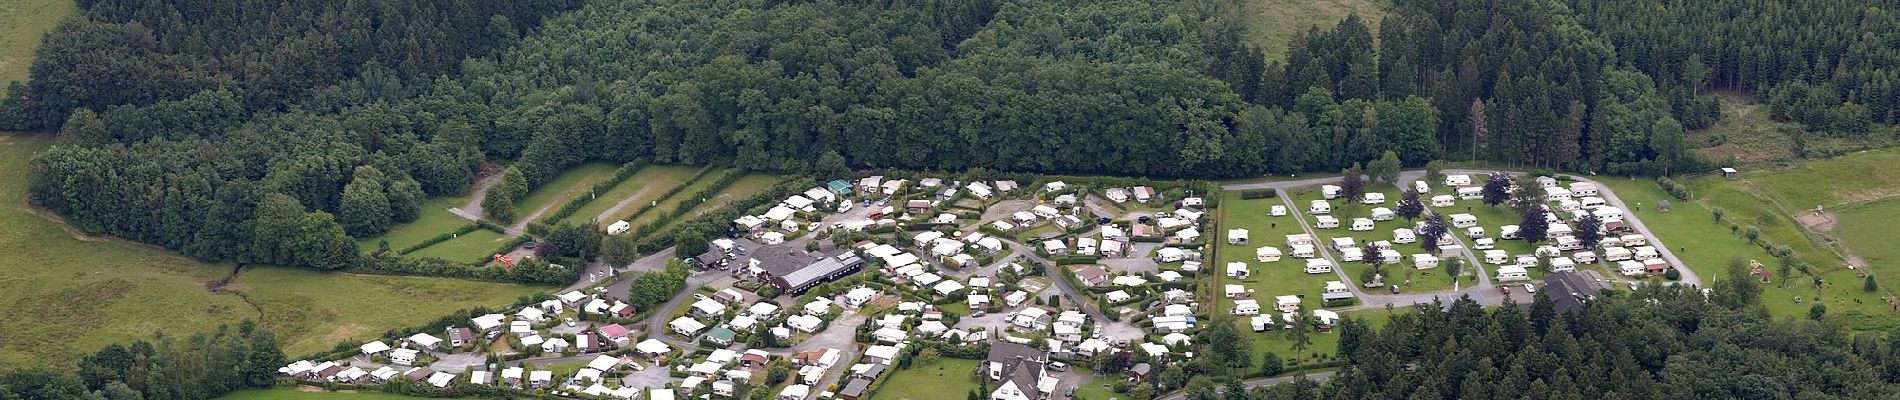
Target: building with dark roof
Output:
[(1571, 290), (1019, 371)]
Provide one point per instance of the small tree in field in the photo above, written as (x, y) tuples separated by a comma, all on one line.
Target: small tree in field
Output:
[(1409, 206), (1869, 285), (1497, 189)]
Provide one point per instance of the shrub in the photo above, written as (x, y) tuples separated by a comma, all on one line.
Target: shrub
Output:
[(1259, 194)]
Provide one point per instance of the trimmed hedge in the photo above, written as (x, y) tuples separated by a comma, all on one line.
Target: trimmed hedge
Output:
[(527, 272), (1250, 194), (620, 175)]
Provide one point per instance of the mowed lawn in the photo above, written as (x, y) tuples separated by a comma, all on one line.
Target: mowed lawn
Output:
[(67, 296), (682, 196), (22, 22), (433, 219), (294, 394), (744, 188), (1272, 24), (1689, 229), (944, 379), (573, 182), (465, 248), (1271, 279), (644, 188), (1424, 280)]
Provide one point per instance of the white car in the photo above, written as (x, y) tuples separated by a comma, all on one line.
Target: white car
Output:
[(570, 322), (1528, 288)]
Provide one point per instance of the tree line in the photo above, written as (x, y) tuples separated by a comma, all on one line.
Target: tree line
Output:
[(201, 366), (1658, 342)]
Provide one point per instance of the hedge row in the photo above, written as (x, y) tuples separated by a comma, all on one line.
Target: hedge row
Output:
[(526, 272), (684, 207), (1250, 194), (720, 217)]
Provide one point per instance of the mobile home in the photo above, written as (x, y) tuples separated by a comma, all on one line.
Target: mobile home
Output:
[(1361, 224), (1404, 235), (1545, 181), (1583, 189), (1474, 232), (1470, 193), (1634, 240), (1590, 203), (1325, 222), (1342, 243), (1389, 256), (1421, 187), (1424, 261), (1463, 220), (1318, 266), (1616, 253), (1457, 180), (1569, 243), (1303, 251), (1584, 256), (1276, 211), (1352, 255), (1496, 257), (1561, 264), (1329, 191), (1643, 253), (1319, 207), (1554, 193), (1266, 254), (1383, 214), (1507, 232), (1512, 273), (1443, 200), (1484, 243), (1630, 268), (1372, 198), (1299, 239)]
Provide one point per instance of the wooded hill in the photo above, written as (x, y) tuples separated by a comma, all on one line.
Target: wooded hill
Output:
[(1119, 87)]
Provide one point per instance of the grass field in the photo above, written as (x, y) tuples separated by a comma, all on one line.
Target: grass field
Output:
[(569, 184), (67, 296), (22, 22), (435, 219), (945, 379), (294, 394), (1421, 280), (745, 187), (469, 247), (1746, 136), (666, 206), (1273, 23), (1279, 278), (649, 183)]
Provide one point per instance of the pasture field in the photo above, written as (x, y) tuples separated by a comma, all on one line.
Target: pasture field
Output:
[(642, 188), (1273, 23), (570, 183), (68, 295), (22, 22), (434, 219), (946, 378)]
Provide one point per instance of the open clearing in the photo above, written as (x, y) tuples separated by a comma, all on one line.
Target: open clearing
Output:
[(667, 205), (946, 378), (637, 192), (435, 219), (22, 22), (1273, 23), (66, 296)]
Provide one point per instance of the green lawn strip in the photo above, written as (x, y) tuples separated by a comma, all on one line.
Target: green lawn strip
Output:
[(659, 177), (1323, 346), (434, 219), (294, 394), (573, 182), (1099, 388), (665, 179), (945, 378), (313, 311), (745, 187), (1707, 247), (468, 247), (671, 203)]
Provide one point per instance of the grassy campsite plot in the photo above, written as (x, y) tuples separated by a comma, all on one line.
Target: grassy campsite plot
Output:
[(654, 181), (745, 187), (682, 196), (945, 378), (87, 292), (468, 247), (435, 219), (569, 184), (1403, 273), (1279, 278), (637, 191)]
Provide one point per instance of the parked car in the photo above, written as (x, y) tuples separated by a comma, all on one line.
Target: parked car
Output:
[(1528, 288), (1058, 366), (1395, 289), (570, 322), (1506, 290)]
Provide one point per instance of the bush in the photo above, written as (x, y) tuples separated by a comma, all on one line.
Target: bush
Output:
[(1672, 274), (1259, 194)]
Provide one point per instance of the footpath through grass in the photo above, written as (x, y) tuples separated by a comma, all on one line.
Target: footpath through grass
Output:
[(67, 296)]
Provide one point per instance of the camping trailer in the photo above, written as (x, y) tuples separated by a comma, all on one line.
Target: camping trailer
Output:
[(1470, 193), (1484, 243), (1325, 222), (1383, 214), (1560, 264), (1512, 273), (1404, 235), (1496, 257), (1424, 261), (1474, 232), (1584, 256), (1352, 255), (1634, 240), (1590, 203), (1361, 224), (1318, 266), (1507, 232), (1421, 187), (1583, 189), (1463, 220), (1319, 207), (1302, 251), (1276, 211), (1616, 253), (1372, 198), (1329, 192), (1443, 200), (1457, 180), (1266, 254)]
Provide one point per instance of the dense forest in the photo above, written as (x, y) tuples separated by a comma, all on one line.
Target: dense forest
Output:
[(1656, 343), (214, 166)]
